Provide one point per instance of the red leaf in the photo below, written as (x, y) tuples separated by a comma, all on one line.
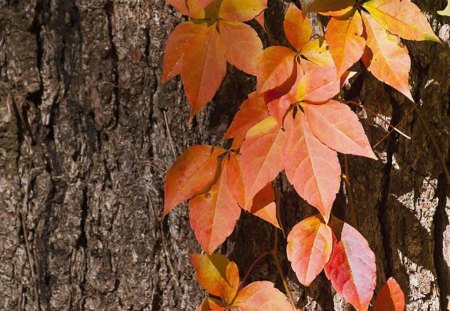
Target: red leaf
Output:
[(176, 45), (275, 66), (193, 172), (338, 127), (313, 169), (263, 155), (210, 304), (297, 27), (251, 112), (309, 248), (261, 296), (204, 67), (351, 269), (216, 274), (213, 215), (242, 45), (391, 297)]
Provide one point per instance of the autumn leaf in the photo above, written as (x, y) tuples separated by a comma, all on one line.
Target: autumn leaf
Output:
[(446, 11), (318, 85), (263, 206), (317, 52), (241, 10), (213, 215), (351, 269), (309, 248), (275, 66), (391, 297), (262, 155), (242, 45), (210, 304), (313, 169), (338, 127), (402, 18), (192, 173), (216, 274), (259, 296), (386, 57), (344, 36), (332, 7), (297, 27)]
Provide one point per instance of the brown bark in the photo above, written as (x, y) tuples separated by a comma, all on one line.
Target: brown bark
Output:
[(87, 133)]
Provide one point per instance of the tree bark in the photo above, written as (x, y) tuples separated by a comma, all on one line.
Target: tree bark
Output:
[(88, 132)]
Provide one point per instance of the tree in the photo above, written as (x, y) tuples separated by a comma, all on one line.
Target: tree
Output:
[(88, 132)]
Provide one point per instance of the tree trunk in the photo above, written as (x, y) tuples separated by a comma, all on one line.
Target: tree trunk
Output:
[(87, 133)]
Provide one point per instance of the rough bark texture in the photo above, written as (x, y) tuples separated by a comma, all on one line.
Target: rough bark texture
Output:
[(87, 133)]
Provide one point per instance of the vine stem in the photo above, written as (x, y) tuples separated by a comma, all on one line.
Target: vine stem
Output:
[(280, 271), (252, 266)]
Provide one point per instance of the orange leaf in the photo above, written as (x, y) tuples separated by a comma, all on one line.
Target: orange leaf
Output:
[(204, 67), (313, 169), (261, 296), (309, 248), (264, 207), (252, 111), (297, 27), (177, 44), (216, 274), (318, 85), (338, 127), (275, 66), (351, 269), (213, 215), (210, 304), (332, 7), (402, 18), (241, 10), (263, 155), (345, 41), (391, 297), (242, 45), (386, 58), (179, 5), (193, 172), (317, 52)]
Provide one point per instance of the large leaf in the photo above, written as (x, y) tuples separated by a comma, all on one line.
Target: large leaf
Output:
[(313, 168), (177, 44), (344, 36), (241, 10), (213, 215), (402, 18), (204, 66), (275, 66), (318, 85), (338, 127), (261, 296), (351, 269), (242, 45), (252, 111), (309, 248), (216, 274), (385, 57), (263, 155), (193, 172), (391, 297), (297, 27)]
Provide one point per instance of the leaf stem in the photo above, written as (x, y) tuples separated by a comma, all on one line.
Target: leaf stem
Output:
[(252, 266)]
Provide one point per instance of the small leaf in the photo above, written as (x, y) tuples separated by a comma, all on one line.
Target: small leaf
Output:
[(297, 27), (332, 7), (386, 57), (261, 296), (313, 169), (344, 36), (193, 172), (262, 156), (445, 12), (263, 205), (204, 66), (210, 304), (351, 269), (338, 127), (177, 44), (216, 274), (402, 18), (213, 215), (241, 10), (309, 248), (318, 85), (275, 66), (242, 45), (391, 297)]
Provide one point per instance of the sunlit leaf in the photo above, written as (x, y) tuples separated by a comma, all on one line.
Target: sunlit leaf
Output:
[(297, 27), (445, 12), (193, 172), (317, 52), (261, 296), (210, 304), (241, 10), (318, 85), (275, 66), (309, 248)]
